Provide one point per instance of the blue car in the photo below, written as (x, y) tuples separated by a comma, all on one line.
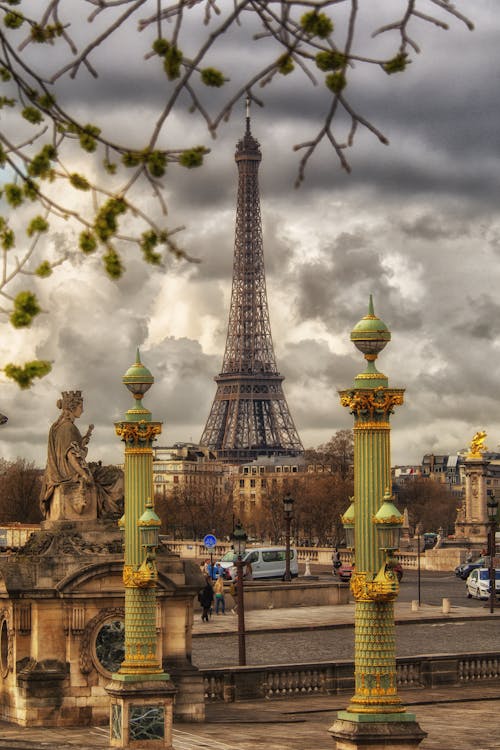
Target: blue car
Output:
[(463, 570)]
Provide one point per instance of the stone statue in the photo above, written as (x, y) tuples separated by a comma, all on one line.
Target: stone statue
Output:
[(477, 445), (72, 488)]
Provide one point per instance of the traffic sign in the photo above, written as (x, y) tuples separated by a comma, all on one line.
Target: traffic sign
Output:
[(209, 541)]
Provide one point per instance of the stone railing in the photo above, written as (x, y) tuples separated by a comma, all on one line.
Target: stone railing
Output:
[(326, 678), (435, 559)]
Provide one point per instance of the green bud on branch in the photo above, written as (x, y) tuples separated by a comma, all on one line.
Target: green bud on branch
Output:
[(24, 375)]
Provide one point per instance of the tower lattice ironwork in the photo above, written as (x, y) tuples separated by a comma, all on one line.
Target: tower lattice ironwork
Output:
[(249, 415)]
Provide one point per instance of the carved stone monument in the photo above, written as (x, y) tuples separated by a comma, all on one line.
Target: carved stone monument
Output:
[(472, 518), (62, 597), (72, 488)]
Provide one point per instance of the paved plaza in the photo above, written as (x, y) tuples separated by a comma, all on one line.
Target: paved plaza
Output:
[(456, 718)]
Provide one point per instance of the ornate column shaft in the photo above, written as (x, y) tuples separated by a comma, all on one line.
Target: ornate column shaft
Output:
[(374, 583)]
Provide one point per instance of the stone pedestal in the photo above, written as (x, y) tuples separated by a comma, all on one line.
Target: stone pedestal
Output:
[(73, 501), (472, 517), (374, 732), (141, 713)]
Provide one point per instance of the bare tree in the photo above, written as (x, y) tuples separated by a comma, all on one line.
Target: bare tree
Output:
[(322, 43), (20, 484)]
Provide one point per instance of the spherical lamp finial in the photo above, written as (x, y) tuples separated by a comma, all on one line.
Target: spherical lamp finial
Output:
[(138, 380), (370, 336)]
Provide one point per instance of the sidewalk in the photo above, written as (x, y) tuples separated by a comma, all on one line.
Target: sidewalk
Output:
[(342, 616)]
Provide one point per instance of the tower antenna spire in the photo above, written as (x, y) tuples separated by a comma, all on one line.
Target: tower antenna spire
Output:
[(247, 106)]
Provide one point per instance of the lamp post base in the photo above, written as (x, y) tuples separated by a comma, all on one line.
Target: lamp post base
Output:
[(141, 714), (371, 733)]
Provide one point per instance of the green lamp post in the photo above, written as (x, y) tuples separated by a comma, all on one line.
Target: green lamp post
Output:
[(372, 525), (141, 692)]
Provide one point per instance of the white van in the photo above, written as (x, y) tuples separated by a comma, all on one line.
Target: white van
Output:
[(266, 562)]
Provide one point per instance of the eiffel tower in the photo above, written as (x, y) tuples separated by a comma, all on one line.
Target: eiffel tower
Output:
[(249, 415)]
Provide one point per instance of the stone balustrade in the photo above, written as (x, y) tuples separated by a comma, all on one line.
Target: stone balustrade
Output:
[(271, 682)]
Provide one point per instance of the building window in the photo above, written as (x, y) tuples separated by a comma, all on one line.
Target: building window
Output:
[(252, 483), (176, 479), (263, 483), (242, 482)]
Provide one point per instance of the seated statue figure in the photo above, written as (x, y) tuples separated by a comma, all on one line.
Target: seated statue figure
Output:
[(72, 488)]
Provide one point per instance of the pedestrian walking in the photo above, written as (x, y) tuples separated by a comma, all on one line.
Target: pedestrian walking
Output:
[(336, 561), (206, 597), (220, 602)]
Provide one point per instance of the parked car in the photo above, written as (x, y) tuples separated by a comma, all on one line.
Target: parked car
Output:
[(344, 572), (266, 562), (478, 583), (463, 570)]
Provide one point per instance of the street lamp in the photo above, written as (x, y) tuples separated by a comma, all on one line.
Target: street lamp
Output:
[(288, 512), (418, 531), (239, 540), (492, 507)]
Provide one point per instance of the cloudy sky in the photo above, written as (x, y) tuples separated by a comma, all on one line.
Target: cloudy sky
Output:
[(416, 224)]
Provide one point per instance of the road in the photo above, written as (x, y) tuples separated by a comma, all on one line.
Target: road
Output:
[(333, 644)]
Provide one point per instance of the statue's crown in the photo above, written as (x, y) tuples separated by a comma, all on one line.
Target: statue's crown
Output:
[(70, 399)]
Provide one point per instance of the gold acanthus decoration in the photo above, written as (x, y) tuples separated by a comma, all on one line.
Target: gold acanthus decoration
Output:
[(383, 588), (477, 445), (138, 432), (368, 403), (145, 576)]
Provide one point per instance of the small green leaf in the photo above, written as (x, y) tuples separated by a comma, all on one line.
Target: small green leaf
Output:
[(13, 20), (26, 307), (24, 375), (131, 158), (149, 241), (316, 24), (38, 224), (212, 77), (8, 239), (13, 194), (113, 264), (156, 163), (397, 64), (40, 165), (330, 60), (285, 64), (44, 270), (192, 157), (105, 224), (87, 242), (79, 182), (172, 63), (161, 46), (336, 82)]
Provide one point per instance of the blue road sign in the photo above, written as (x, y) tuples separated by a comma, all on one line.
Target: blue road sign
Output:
[(209, 541)]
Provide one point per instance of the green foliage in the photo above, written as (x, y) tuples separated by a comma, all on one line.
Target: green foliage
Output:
[(44, 270), (212, 77), (38, 224), (336, 82), (5, 75), (397, 64), (161, 46), (131, 159), (13, 194), (88, 137), (32, 114), (13, 20), (25, 375), (46, 101), (172, 62), (30, 190), (330, 60), (40, 165), (79, 182), (149, 240), (26, 307), (110, 167), (285, 64), (87, 242), (156, 162), (316, 24), (7, 238), (106, 224), (192, 157), (113, 263), (6, 101), (48, 33)]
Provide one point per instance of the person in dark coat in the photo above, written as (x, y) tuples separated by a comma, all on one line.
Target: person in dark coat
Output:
[(206, 597)]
